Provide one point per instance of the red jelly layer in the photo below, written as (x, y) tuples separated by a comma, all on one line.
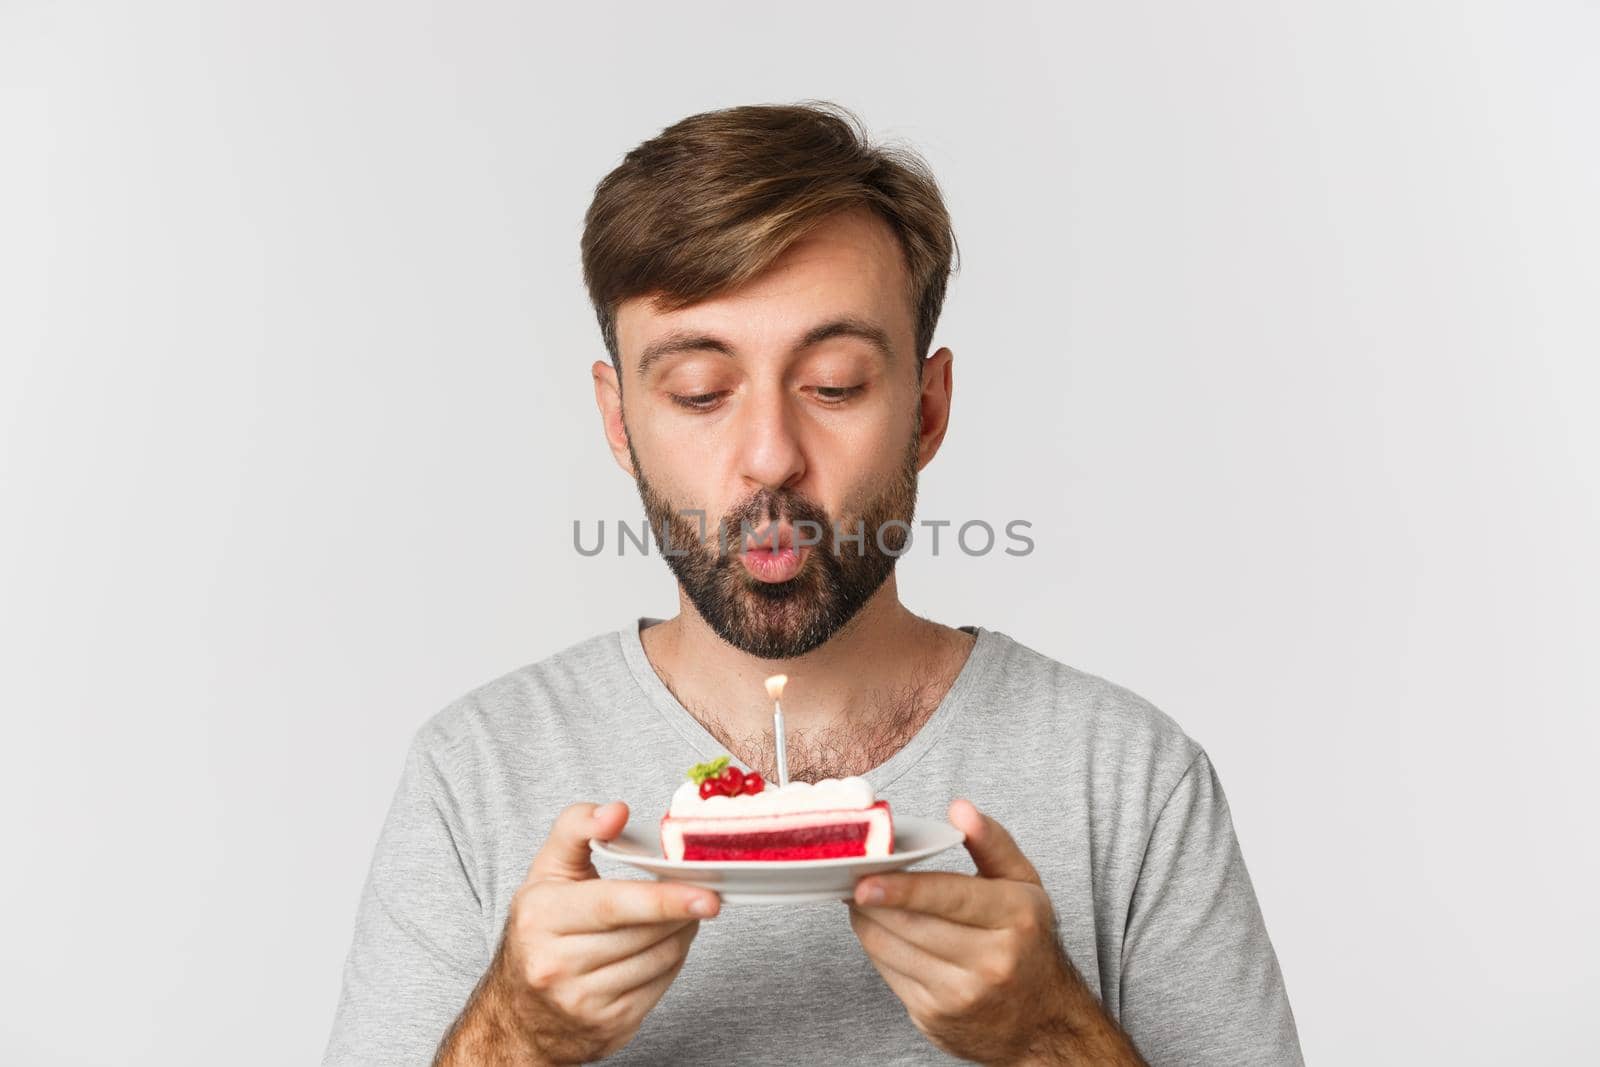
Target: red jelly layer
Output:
[(805, 843), (807, 835)]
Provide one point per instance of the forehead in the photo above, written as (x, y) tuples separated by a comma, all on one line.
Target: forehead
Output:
[(850, 266)]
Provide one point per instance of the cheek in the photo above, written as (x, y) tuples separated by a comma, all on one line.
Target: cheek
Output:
[(687, 474), (851, 467), (870, 441), (673, 458)]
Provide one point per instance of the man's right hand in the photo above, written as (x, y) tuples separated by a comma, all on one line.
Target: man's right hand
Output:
[(583, 959)]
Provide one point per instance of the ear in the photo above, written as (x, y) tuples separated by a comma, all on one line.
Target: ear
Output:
[(935, 404), (608, 398)]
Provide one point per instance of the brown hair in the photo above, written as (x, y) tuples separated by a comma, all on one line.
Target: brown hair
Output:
[(715, 198)]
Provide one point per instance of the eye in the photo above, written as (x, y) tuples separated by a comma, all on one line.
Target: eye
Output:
[(833, 395), (699, 402)]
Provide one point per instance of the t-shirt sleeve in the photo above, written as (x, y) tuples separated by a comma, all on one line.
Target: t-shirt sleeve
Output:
[(1200, 981), (419, 946)]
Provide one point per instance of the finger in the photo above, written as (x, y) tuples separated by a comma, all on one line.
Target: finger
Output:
[(991, 846), (616, 979), (907, 957), (906, 970), (609, 904), (637, 1002), (565, 855), (957, 897), (590, 952), (953, 942)]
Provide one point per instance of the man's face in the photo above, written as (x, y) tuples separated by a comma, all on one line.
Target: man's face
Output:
[(760, 410)]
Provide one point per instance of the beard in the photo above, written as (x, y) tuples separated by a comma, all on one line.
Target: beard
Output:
[(781, 620)]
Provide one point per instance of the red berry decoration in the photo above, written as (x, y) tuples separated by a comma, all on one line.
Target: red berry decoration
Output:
[(719, 778)]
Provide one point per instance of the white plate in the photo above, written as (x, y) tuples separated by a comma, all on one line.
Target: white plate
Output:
[(780, 881)]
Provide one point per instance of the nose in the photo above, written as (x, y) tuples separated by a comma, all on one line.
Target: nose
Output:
[(770, 452)]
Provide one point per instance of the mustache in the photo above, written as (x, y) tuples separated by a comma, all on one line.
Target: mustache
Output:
[(766, 506)]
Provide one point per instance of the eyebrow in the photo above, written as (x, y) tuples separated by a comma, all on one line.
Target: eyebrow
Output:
[(693, 341)]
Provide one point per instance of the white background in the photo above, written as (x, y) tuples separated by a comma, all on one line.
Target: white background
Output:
[(1278, 322)]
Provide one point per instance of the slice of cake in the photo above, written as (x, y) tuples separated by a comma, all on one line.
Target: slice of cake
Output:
[(721, 813)]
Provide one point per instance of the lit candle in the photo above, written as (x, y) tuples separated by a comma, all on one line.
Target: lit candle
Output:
[(775, 686)]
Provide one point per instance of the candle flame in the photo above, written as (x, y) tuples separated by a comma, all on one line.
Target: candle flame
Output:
[(775, 686)]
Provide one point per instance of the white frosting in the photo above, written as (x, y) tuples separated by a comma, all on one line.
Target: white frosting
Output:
[(830, 794)]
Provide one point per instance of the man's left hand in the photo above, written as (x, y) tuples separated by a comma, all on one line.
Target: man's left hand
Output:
[(976, 960)]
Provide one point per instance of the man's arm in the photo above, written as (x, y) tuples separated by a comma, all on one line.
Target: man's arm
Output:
[(977, 962), (1200, 982), (486, 1032), (580, 962)]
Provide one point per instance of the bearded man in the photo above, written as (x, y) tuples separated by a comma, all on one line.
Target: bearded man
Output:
[(767, 283)]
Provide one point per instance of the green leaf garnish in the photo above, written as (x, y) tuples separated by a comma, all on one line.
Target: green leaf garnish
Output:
[(701, 771)]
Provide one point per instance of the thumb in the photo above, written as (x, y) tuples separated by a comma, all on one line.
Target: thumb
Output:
[(565, 855), (991, 847)]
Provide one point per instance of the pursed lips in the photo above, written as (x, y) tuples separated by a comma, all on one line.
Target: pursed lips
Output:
[(770, 541)]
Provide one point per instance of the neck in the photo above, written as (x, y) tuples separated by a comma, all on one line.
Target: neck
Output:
[(883, 671)]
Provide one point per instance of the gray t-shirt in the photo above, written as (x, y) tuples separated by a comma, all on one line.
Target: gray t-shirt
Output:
[(1121, 813)]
